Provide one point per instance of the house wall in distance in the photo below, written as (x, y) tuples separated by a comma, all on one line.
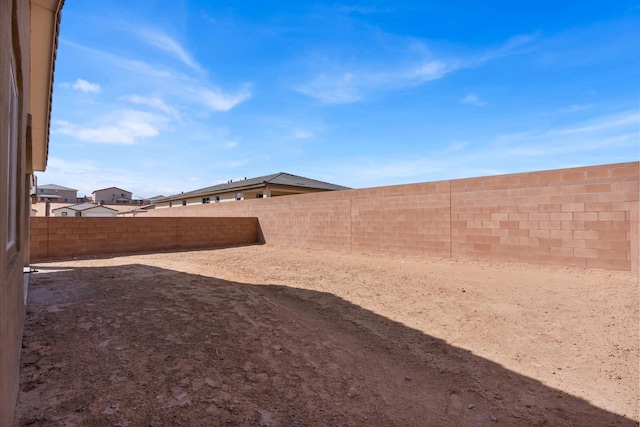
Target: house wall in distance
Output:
[(109, 195), (579, 217), (64, 196), (58, 237)]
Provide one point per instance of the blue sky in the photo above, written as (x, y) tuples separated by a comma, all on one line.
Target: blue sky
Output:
[(159, 97)]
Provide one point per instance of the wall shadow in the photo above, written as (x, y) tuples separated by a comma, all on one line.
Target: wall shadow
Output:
[(41, 261), (136, 344)]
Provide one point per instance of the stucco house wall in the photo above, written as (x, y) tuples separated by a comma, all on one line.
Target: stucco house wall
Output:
[(28, 39), (98, 211), (60, 196), (65, 212), (14, 206), (112, 195), (57, 195)]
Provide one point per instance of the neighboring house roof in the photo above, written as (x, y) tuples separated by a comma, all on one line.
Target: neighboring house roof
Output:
[(154, 198), (141, 208), (55, 187), (84, 207), (281, 178), (111, 188)]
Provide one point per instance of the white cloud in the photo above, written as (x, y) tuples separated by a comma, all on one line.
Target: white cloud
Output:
[(352, 83), (473, 99), (456, 146), (133, 65), (88, 176), (231, 144), (155, 103), (342, 89), (610, 132), (217, 100), (577, 144), (433, 70), (301, 134), (629, 118), (169, 45), (85, 86), (193, 91), (574, 108), (123, 127), (513, 43)]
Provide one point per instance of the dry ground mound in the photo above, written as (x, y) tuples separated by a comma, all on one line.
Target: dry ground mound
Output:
[(270, 336)]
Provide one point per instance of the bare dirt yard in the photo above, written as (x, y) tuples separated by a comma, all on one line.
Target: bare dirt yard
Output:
[(272, 336)]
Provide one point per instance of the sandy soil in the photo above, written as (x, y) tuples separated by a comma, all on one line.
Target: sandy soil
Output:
[(270, 336)]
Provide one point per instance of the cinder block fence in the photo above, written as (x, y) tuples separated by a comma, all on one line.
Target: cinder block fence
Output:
[(584, 217), (58, 237)]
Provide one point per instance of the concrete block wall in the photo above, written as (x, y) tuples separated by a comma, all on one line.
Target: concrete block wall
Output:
[(320, 221), (576, 217), (584, 217), (635, 240), (273, 213), (405, 219), (59, 237)]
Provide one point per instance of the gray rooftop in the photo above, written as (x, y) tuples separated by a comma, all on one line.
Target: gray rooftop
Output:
[(281, 178), (111, 188), (56, 187), (83, 207)]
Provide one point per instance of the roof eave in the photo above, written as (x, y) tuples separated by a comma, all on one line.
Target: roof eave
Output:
[(45, 28), (196, 193)]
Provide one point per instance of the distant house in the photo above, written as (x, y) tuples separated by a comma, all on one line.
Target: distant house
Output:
[(112, 196), (41, 208), (56, 193), (279, 184), (136, 211), (154, 199), (85, 209)]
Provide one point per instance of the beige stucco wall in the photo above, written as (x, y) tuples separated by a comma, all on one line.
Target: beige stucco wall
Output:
[(109, 194), (41, 207), (99, 210), (70, 196), (88, 212), (63, 211), (14, 55)]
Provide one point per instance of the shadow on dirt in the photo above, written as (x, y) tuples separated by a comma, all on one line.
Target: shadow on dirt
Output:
[(140, 345)]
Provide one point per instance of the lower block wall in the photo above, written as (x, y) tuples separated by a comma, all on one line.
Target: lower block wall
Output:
[(58, 237), (585, 217), (635, 240)]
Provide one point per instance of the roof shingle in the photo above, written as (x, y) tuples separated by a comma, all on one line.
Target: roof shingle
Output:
[(281, 178)]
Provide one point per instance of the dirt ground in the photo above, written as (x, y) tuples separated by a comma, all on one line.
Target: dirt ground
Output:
[(271, 336)]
